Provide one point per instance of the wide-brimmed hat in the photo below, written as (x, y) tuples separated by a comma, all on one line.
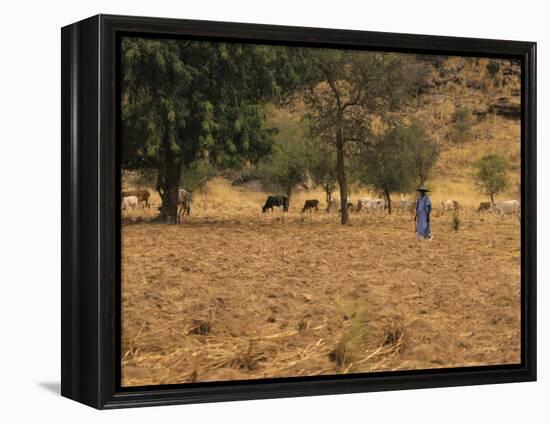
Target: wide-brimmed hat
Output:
[(422, 188)]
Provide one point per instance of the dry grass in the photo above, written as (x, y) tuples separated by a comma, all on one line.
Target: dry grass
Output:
[(236, 294)]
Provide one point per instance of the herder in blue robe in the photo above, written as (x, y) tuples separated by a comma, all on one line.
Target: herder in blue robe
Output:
[(423, 210)]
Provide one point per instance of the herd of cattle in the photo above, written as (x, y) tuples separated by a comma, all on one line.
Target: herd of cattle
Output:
[(400, 206), (139, 199)]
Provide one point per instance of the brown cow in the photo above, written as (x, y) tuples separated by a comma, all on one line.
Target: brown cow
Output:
[(142, 195), (311, 204), (484, 206)]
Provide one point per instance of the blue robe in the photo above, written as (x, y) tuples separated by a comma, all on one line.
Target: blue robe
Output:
[(423, 210)]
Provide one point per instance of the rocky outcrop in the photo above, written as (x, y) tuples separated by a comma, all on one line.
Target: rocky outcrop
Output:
[(508, 107)]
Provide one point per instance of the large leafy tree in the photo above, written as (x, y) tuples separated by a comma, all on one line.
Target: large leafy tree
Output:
[(186, 101), (345, 91)]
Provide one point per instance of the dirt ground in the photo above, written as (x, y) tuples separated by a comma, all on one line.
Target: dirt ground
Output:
[(236, 294)]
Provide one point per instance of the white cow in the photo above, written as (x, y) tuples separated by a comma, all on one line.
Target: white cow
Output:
[(129, 202), (375, 205), (505, 207), (370, 205)]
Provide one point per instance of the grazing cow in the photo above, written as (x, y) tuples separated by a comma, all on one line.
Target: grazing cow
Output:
[(370, 205), (141, 194), (505, 207), (311, 204), (184, 203), (276, 201), (129, 202), (449, 206), (484, 206)]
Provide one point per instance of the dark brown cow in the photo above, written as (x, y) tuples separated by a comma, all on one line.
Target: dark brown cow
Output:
[(276, 201), (311, 204)]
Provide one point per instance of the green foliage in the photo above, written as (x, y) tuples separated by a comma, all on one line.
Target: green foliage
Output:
[(492, 174), (424, 152), (185, 101), (196, 175), (198, 99), (493, 67), (400, 160), (285, 168), (322, 167), (387, 165), (460, 131)]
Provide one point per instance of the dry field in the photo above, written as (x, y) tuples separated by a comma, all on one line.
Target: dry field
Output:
[(235, 294)]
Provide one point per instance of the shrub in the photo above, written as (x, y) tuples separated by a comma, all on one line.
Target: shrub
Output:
[(456, 222), (461, 126), (492, 174)]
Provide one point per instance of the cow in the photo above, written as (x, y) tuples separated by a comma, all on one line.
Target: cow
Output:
[(184, 203), (311, 204), (275, 201), (449, 206), (129, 202), (484, 206), (505, 207), (141, 194), (370, 205)]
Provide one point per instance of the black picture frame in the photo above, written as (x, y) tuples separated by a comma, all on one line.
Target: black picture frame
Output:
[(90, 286)]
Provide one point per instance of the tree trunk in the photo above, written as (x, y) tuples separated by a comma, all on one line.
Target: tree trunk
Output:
[(341, 176), (492, 198), (388, 200), (328, 197), (170, 184)]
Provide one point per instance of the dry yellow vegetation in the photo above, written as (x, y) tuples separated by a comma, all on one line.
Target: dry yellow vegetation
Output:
[(236, 294)]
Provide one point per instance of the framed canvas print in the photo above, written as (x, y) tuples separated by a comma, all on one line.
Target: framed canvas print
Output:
[(253, 211)]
